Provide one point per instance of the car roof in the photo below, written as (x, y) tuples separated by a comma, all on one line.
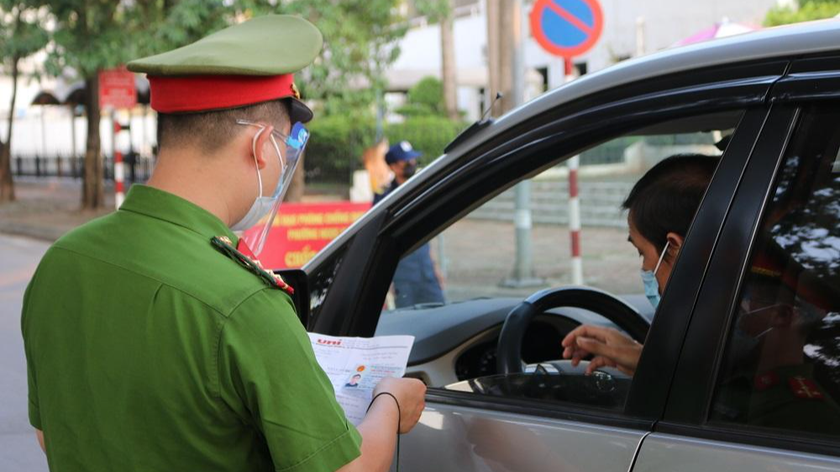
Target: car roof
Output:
[(780, 42), (783, 41)]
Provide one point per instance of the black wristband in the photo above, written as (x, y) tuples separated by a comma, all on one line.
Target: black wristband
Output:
[(399, 410)]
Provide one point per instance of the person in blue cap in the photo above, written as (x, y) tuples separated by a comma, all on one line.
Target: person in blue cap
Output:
[(416, 279), (402, 159)]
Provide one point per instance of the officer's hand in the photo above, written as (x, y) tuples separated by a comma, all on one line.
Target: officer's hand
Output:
[(410, 393), (610, 348)]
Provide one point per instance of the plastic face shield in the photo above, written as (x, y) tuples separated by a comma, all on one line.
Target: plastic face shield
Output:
[(289, 148)]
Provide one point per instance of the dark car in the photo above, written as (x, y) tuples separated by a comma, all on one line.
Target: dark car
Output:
[(772, 100)]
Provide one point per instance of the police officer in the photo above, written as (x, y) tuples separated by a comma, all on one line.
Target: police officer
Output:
[(416, 279), (152, 343), (766, 379)]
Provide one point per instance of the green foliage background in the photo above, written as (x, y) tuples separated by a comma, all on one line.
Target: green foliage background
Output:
[(807, 10), (359, 38), (343, 83), (425, 98), (335, 148)]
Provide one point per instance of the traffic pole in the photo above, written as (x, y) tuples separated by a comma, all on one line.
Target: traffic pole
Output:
[(523, 268), (119, 171), (574, 203)]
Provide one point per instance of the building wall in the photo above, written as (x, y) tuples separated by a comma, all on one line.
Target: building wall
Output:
[(665, 22)]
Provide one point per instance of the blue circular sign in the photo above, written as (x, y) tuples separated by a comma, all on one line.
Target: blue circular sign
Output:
[(566, 27)]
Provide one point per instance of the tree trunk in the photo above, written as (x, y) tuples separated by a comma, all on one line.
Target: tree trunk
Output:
[(493, 84), (7, 185), (93, 192), (298, 183), (447, 47), (506, 12)]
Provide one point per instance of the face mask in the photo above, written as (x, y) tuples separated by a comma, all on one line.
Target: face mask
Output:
[(262, 205), (409, 170), (650, 282), (743, 344)]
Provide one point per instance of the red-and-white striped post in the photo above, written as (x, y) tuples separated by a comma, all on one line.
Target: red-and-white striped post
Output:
[(119, 170), (574, 203)]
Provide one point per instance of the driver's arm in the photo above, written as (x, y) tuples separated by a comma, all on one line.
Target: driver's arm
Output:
[(610, 347)]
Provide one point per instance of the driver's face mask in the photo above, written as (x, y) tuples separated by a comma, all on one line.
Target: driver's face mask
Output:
[(410, 169), (650, 282)]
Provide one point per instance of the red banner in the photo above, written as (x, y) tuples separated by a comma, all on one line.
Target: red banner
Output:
[(300, 230), (116, 89)]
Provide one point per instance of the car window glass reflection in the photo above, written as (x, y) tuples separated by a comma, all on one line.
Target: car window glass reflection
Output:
[(782, 365)]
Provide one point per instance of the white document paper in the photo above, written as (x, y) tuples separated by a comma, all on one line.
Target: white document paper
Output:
[(356, 365)]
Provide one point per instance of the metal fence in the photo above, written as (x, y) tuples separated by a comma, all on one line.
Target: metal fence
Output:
[(137, 168)]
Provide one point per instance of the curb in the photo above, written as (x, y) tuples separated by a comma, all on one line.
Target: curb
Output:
[(49, 234)]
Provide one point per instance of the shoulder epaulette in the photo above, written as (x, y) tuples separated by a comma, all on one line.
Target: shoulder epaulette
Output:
[(225, 246)]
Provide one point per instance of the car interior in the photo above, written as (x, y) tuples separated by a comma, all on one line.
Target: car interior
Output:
[(475, 340)]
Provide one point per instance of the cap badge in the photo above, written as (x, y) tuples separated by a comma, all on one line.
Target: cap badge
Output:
[(295, 91)]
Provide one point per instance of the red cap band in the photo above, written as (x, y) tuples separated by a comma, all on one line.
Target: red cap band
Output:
[(177, 94)]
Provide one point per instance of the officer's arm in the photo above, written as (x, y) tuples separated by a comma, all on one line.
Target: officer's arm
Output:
[(40, 435), (384, 418), (378, 431)]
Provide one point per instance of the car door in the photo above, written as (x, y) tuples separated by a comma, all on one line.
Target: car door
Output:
[(467, 431), (758, 383)]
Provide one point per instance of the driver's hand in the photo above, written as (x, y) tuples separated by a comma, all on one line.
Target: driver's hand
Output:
[(610, 347)]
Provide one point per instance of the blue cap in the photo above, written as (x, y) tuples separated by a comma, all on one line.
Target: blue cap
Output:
[(401, 152)]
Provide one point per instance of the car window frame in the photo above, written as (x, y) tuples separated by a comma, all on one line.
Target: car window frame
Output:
[(491, 165), (688, 410)]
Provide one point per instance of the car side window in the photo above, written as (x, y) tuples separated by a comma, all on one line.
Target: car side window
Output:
[(453, 292), (781, 367)]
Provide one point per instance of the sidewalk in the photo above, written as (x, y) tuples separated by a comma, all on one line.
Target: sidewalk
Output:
[(46, 208)]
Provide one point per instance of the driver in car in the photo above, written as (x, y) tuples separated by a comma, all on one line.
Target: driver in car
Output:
[(661, 207)]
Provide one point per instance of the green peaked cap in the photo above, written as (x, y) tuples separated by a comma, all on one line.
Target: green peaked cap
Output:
[(241, 65), (266, 45)]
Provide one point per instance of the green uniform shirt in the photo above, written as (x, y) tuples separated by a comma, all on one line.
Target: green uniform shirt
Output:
[(149, 350)]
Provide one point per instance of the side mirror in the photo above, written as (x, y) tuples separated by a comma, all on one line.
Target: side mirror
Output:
[(300, 282)]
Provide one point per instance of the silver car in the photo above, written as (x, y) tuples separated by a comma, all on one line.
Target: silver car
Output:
[(501, 397)]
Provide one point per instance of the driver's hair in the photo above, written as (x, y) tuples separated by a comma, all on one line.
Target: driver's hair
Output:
[(666, 198)]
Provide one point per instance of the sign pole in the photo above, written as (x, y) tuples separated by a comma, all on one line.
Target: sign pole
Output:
[(569, 28), (117, 91), (523, 270), (574, 202), (119, 171)]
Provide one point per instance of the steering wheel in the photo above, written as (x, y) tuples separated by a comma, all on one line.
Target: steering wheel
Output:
[(508, 351)]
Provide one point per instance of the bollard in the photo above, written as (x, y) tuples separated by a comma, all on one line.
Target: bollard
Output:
[(119, 172)]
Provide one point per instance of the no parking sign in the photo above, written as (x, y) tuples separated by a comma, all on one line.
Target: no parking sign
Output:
[(567, 28)]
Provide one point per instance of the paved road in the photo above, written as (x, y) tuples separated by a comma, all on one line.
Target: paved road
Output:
[(19, 451)]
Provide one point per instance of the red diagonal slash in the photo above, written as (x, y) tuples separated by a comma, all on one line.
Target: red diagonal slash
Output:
[(570, 18)]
